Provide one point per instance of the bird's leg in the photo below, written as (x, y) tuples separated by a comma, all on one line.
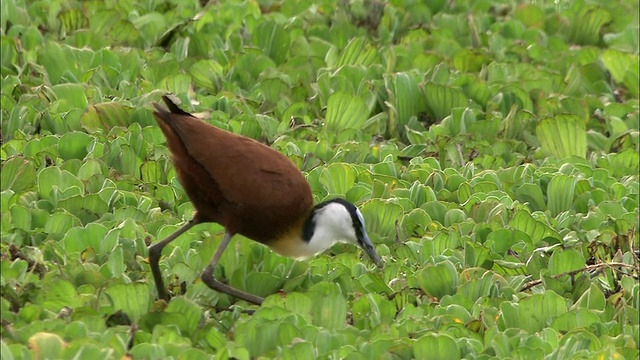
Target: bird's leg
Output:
[(213, 283), (155, 250)]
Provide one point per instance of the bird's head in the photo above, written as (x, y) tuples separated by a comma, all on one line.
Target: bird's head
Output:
[(335, 221)]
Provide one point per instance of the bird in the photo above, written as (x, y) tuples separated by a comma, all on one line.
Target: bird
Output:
[(251, 190)]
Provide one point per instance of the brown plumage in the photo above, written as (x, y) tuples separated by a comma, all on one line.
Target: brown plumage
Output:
[(251, 190), (258, 199)]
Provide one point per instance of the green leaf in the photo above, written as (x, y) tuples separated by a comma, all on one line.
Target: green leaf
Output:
[(533, 313), (77, 239), (87, 208), (531, 194), (124, 159), (438, 280), (72, 20), (338, 178), (64, 63), (416, 222), (625, 163), (530, 14), (103, 117), (381, 217), (259, 337), (299, 350), (59, 294), (55, 184), (189, 315), (20, 217), (60, 223), (329, 311), (6, 352), (624, 69), (176, 83), (132, 299), (441, 100), (18, 174), (147, 349), (262, 284), (345, 111), (586, 24), (593, 299), (46, 345), (357, 52), (275, 88), (215, 338), (372, 310), (573, 319), (74, 145), (405, 98), (562, 136), (454, 216), (536, 229), (9, 55), (273, 39), (503, 240), (374, 283), (436, 346), (206, 73), (566, 260), (123, 32), (560, 193), (70, 96), (477, 255), (115, 263)]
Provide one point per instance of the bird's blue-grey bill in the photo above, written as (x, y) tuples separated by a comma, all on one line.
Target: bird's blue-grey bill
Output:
[(371, 251)]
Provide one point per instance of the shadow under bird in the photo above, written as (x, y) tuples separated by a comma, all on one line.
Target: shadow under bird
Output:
[(251, 190)]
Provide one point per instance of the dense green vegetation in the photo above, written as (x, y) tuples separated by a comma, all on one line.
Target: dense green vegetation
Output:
[(491, 145)]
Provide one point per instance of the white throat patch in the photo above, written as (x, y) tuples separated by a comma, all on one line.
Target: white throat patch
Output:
[(333, 224)]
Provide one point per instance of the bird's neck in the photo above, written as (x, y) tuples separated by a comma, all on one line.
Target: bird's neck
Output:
[(303, 240)]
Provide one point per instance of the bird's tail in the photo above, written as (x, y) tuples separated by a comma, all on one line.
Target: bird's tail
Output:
[(173, 108)]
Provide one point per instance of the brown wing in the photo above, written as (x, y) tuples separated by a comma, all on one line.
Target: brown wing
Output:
[(246, 186)]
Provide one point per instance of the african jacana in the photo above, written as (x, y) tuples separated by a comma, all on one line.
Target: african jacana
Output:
[(251, 190)]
